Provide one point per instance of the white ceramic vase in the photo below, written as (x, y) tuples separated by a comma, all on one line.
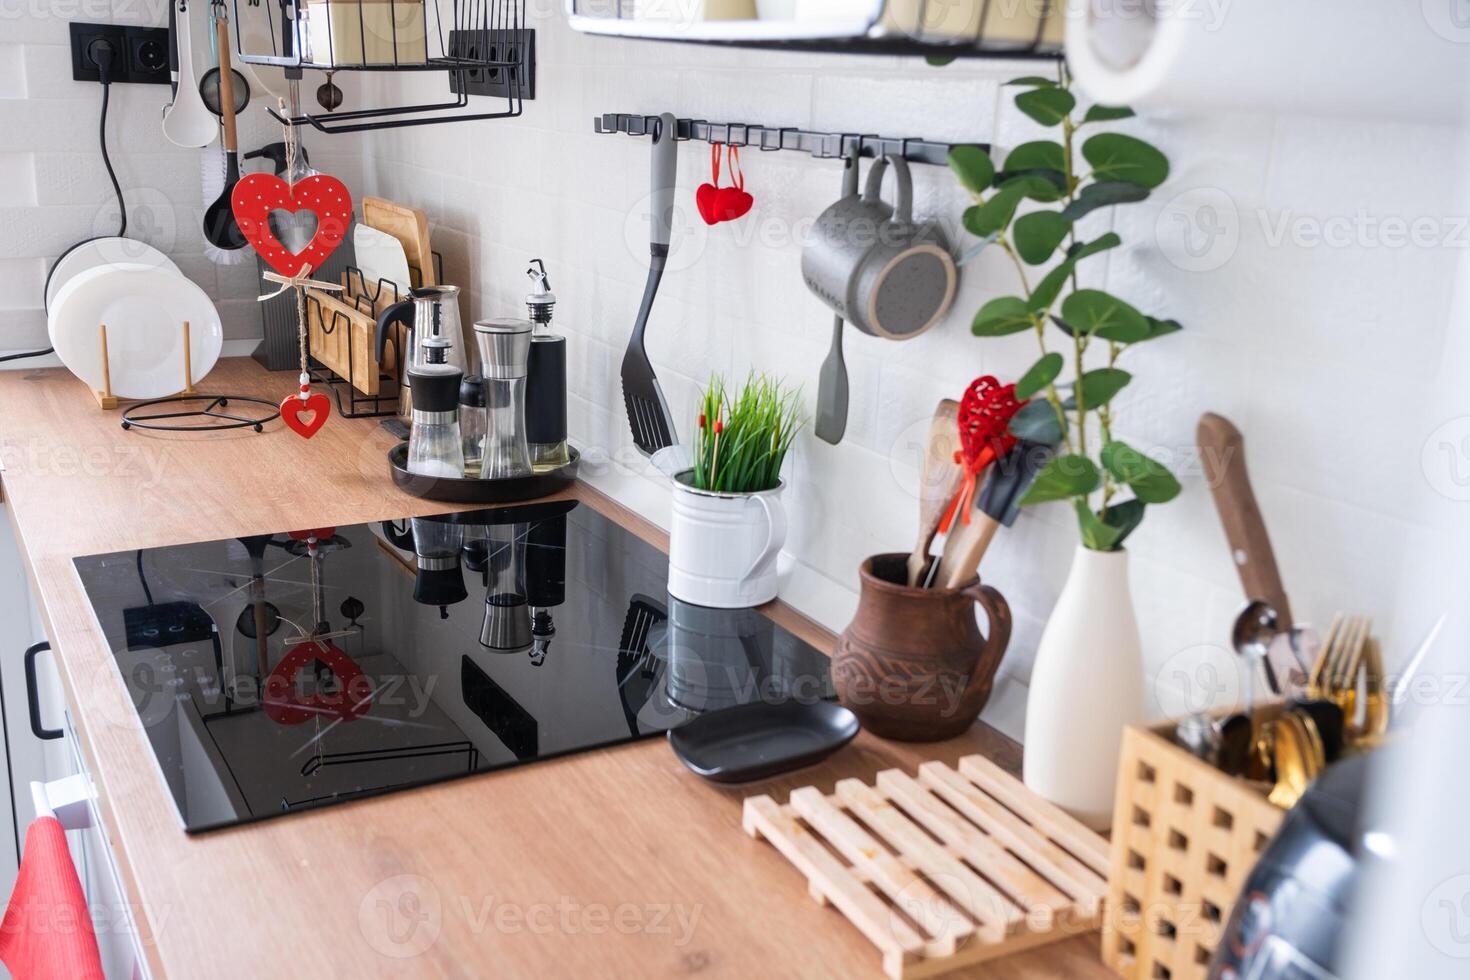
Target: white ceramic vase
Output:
[(723, 546), (1087, 685)]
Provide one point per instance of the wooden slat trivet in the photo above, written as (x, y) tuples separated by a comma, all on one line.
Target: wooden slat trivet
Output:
[(944, 871)]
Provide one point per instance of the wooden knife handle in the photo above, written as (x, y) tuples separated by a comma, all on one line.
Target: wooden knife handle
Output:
[(1222, 452)]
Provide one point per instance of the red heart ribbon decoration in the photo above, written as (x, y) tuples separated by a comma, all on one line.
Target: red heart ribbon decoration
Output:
[(315, 403), (707, 196), (984, 420), (320, 533), (732, 202), (283, 706), (257, 195)]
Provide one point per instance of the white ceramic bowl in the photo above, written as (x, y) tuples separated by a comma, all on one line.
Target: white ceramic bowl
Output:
[(145, 308)]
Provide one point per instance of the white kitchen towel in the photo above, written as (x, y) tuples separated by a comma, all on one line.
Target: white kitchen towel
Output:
[(1397, 59)]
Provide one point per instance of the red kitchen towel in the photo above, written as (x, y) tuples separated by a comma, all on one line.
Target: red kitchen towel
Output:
[(47, 932)]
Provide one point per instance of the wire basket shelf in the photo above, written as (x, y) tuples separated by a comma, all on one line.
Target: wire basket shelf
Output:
[(483, 47)]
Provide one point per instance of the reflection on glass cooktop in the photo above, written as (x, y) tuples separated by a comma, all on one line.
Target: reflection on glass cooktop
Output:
[(280, 672)]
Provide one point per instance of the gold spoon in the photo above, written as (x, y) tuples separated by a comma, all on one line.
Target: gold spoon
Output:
[(1290, 750)]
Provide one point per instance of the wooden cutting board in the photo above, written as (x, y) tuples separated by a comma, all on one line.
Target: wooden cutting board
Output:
[(410, 226)]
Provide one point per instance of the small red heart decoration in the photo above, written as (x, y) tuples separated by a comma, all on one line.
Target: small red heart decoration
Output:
[(293, 406), (984, 422), (731, 203), (257, 195), (706, 199), (985, 415), (284, 707)]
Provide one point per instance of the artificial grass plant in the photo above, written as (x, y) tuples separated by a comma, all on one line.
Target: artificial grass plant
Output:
[(742, 441)]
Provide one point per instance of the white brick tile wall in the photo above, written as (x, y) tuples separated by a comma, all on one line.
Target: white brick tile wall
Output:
[(1294, 341)]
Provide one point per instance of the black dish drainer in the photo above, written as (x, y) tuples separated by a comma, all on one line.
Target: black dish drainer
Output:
[(483, 47)]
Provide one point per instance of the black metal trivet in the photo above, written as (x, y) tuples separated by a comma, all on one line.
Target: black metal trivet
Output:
[(223, 420)]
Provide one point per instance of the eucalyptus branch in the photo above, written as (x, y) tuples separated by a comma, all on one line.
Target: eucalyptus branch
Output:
[(1121, 169)]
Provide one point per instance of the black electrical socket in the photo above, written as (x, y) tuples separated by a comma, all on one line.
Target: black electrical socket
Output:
[(148, 54), (515, 55), (140, 54)]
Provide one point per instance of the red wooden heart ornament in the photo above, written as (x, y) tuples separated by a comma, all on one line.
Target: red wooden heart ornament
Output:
[(350, 701), (257, 195), (317, 405)]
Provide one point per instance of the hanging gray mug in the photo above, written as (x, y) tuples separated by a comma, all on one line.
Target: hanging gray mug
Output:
[(875, 266)]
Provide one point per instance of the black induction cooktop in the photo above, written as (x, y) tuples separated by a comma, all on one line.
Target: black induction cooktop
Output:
[(282, 672)]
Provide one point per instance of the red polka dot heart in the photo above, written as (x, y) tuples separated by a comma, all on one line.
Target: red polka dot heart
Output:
[(257, 195)]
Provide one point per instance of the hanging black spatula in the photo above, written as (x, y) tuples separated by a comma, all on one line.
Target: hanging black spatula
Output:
[(648, 411), (638, 668)]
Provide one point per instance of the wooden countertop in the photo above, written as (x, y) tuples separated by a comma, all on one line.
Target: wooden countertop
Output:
[(615, 862)]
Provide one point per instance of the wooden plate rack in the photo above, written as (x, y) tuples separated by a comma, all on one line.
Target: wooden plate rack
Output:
[(952, 868)]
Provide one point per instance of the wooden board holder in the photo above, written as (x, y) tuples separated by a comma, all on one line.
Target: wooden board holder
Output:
[(958, 866), (107, 401), (1185, 837), (343, 338)]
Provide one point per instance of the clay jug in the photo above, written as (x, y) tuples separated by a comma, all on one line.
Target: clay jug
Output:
[(913, 665)]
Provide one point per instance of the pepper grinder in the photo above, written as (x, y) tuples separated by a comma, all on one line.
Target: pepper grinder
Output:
[(504, 348), (546, 378)]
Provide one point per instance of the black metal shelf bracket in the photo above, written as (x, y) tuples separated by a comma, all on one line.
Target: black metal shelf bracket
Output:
[(823, 146)]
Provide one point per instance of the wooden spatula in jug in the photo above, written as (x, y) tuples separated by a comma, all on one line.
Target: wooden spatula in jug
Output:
[(939, 479)]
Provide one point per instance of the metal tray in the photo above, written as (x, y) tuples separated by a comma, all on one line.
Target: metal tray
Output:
[(759, 740), (463, 491)]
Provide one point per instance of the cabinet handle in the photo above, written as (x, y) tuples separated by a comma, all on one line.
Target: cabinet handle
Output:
[(33, 694)]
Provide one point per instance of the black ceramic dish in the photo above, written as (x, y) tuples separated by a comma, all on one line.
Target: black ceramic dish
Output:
[(755, 741), (462, 491)]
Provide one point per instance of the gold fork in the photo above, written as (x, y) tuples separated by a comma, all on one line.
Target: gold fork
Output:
[(1326, 659)]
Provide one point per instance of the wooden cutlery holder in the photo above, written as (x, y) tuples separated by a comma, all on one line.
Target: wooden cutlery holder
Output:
[(1185, 837)]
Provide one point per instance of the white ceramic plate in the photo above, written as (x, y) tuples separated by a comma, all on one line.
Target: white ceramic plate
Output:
[(380, 256), (102, 251), (144, 308)]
